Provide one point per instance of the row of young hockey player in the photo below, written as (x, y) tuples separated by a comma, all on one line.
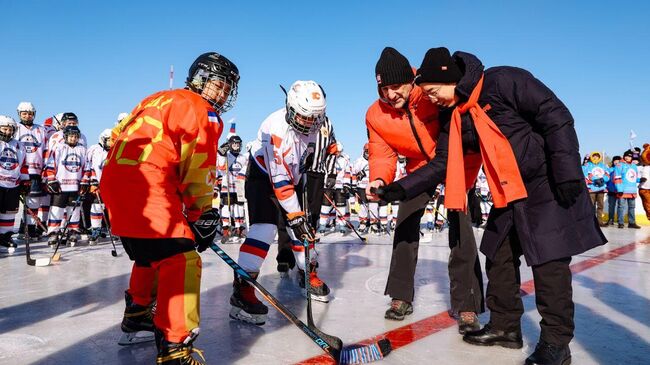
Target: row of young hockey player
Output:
[(231, 173), (334, 209)]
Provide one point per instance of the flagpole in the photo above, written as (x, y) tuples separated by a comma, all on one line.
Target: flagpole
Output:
[(171, 77)]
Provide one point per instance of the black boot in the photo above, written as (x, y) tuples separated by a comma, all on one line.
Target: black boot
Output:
[(489, 336), (549, 354), (137, 323), (398, 310)]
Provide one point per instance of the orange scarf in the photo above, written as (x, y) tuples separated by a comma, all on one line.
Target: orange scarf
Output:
[(500, 165)]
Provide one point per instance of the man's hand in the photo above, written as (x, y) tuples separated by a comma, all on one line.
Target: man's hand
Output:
[(53, 187), (205, 228), (392, 192), (372, 186), (568, 192), (330, 181), (300, 227), (84, 188)]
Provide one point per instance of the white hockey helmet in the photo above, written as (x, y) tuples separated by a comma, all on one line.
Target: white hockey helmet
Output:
[(305, 106), (121, 116), (7, 121), (104, 137), (339, 147), (26, 106)]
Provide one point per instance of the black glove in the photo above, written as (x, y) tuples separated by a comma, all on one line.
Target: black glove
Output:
[(205, 228), (84, 188), (568, 192), (54, 187), (348, 188), (223, 149), (391, 192), (642, 180), (361, 174), (25, 187), (599, 182), (330, 181), (300, 227)]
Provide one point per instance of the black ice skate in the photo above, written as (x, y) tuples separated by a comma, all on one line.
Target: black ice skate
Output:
[(137, 323), (72, 239), (7, 242), (178, 353), (318, 289), (286, 262), (245, 305), (363, 227), (53, 239), (95, 233)]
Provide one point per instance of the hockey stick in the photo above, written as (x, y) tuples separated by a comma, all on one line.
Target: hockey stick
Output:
[(30, 261), (332, 345), (34, 216), (64, 231), (108, 226), (374, 216), (340, 216)]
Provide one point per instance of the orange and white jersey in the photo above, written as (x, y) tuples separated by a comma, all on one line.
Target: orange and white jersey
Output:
[(283, 154), (67, 165), (13, 166), (57, 139), (161, 170), (236, 167), (34, 139), (343, 171), (95, 159), (360, 164)]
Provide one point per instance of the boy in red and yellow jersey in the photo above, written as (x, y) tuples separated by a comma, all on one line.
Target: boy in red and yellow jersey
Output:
[(157, 182)]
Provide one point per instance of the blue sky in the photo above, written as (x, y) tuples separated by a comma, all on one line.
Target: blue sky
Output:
[(100, 58)]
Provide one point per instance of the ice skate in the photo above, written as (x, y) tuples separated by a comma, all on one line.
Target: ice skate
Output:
[(94, 236), (245, 305), (363, 227), (286, 262), (225, 235), (137, 323), (72, 239), (318, 289), (178, 353), (431, 227), (53, 239), (322, 229)]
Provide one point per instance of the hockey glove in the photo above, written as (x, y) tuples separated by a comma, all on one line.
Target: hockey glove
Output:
[(53, 187), (643, 180), (330, 181), (361, 175), (223, 149), (205, 228), (599, 182), (391, 192), (300, 227), (568, 192), (83, 189), (25, 187), (348, 188), (94, 186)]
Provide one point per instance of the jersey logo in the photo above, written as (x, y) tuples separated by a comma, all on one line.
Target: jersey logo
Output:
[(8, 159), (30, 142), (630, 176), (598, 172), (72, 162)]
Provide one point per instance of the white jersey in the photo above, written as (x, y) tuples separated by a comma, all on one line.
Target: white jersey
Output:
[(482, 184), (34, 139), (67, 164), (57, 139), (400, 170), (95, 160), (13, 167), (236, 170), (343, 171), (283, 153), (361, 168)]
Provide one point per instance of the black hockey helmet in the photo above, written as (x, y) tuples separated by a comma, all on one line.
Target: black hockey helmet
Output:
[(213, 66), (235, 141), (71, 130)]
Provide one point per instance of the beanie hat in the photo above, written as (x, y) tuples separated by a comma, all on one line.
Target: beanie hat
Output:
[(616, 158), (438, 67), (393, 68), (628, 153)]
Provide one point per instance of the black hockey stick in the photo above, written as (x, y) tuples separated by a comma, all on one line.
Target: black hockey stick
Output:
[(340, 216), (45, 261), (332, 345), (108, 226), (64, 231), (34, 216)]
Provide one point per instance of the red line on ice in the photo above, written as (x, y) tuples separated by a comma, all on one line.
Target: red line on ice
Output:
[(410, 333)]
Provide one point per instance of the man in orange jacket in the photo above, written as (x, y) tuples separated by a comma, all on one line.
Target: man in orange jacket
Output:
[(403, 121), (157, 184)]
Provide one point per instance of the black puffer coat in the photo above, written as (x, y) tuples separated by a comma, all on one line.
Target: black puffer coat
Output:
[(540, 129)]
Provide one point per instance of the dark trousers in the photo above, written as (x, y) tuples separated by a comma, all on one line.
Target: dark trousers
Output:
[(464, 268), (314, 198), (553, 293)]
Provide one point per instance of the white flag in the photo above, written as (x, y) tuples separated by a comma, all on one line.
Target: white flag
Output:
[(632, 134)]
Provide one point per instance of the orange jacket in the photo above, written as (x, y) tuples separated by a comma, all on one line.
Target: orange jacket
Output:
[(161, 169), (392, 132)]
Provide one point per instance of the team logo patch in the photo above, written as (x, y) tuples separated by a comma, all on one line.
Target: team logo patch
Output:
[(630, 176), (72, 162), (8, 159), (324, 131), (30, 142), (598, 172)]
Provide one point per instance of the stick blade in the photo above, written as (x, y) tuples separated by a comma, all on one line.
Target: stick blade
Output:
[(363, 354)]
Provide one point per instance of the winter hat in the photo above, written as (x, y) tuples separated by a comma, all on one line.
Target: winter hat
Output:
[(616, 158), (393, 68), (628, 153), (438, 67)]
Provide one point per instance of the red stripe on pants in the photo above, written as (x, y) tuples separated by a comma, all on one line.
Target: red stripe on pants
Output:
[(142, 285)]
